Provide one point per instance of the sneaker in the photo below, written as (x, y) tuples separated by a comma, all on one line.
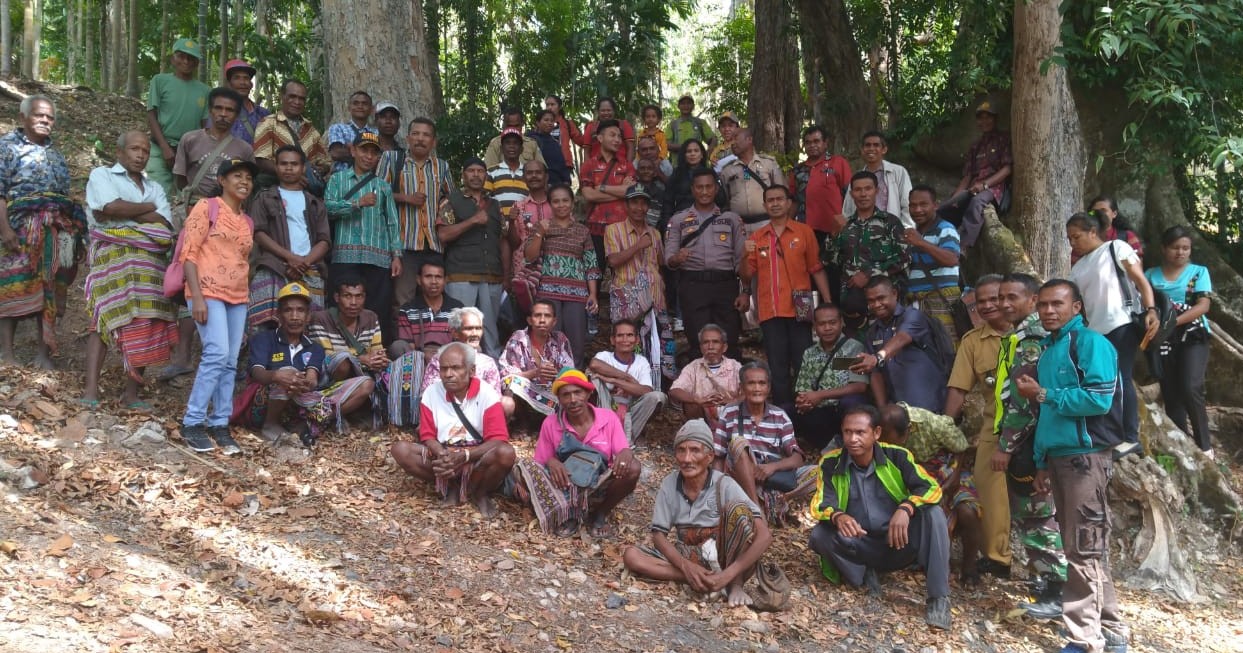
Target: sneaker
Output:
[(1073, 648), (937, 613), (228, 446), (1114, 643), (1125, 449), (196, 438)]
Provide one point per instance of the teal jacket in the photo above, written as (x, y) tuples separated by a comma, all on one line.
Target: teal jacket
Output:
[(1082, 411)]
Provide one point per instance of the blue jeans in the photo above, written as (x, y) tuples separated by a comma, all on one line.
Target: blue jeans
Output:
[(213, 384)]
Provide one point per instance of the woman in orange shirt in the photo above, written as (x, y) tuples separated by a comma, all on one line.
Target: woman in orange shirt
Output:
[(217, 237)]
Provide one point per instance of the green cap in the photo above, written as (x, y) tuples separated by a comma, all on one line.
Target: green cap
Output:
[(190, 47)]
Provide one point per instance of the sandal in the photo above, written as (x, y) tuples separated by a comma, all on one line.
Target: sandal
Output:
[(173, 371), (602, 530), (568, 528)]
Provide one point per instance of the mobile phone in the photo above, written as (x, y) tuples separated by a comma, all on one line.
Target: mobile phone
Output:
[(844, 363)]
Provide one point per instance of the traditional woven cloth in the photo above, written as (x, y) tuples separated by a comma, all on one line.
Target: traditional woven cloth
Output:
[(31, 276), (263, 288), (398, 388), (125, 292), (321, 409), (733, 535)]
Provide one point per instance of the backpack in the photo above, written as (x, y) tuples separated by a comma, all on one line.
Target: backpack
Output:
[(941, 348)]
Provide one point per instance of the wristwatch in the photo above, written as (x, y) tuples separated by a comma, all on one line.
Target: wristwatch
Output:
[(1042, 395), (881, 356)]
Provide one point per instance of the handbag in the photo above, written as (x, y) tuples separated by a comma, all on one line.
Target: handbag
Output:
[(804, 300), (1166, 315), (772, 586), (632, 301), (181, 201), (584, 464)]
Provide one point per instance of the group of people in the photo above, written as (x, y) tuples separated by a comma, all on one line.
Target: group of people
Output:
[(363, 279)]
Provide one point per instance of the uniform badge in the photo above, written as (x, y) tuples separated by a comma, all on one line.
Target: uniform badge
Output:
[(723, 237), (278, 357)]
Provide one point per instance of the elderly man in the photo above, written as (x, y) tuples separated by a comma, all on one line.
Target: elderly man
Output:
[(878, 511), (37, 218), (423, 322), (293, 238), (289, 127), (240, 76), (755, 444), (287, 364), (533, 357), (463, 447), (699, 512), (175, 106), (130, 238), (467, 326), (625, 382), (583, 466), (477, 255), (420, 182), (708, 382)]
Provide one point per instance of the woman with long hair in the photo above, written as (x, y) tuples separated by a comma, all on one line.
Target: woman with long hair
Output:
[(1114, 288), (1184, 355), (569, 270)]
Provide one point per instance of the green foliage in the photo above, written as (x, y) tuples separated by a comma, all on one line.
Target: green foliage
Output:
[(721, 66)]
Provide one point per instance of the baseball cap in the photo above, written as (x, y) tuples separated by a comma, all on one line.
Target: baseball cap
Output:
[(235, 64), (686, 97), (986, 107), (728, 115), (229, 165), (386, 106), (190, 47), (293, 289), (510, 131), (367, 138), (637, 190)]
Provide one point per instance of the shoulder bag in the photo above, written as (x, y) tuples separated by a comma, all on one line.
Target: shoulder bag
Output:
[(181, 202)]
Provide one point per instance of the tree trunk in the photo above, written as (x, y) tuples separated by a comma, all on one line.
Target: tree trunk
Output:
[(71, 45), (131, 79), (202, 39), (239, 35), (847, 104), (360, 56), (774, 107), (1049, 158), (224, 44), (116, 45), (262, 7), (88, 35), (30, 40), (431, 10), (161, 52), (6, 40)]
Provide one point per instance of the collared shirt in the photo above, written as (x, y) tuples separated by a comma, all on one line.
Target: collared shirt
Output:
[(911, 375), (721, 247), (180, 104), (438, 420), (771, 438), (520, 355), (816, 372), (248, 120), (782, 264), (487, 370), (873, 245), (275, 132), (897, 201), (976, 363), (192, 155), (745, 183), (870, 504), (682, 129), (931, 434), (1015, 415), (27, 168), (492, 155), (417, 224), (419, 325), (328, 329), (367, 234), (605, 435), (622, 236), (344, 133), (673, 509), (942, 234), (107, 185), (701, 381), (988, 155), (818, 188), (270, 350), (596, 172), (506, 186)]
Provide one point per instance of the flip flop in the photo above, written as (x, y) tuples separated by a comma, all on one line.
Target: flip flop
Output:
[(173, 371), (87, 403), (140, 405)]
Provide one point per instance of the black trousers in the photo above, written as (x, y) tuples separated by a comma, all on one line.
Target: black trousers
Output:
[(709, 302), (820, 426), (1182, 387), (379, 284), (928, 543), (785, 340)]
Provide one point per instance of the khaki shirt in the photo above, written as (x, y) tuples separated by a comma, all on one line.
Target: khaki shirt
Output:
[(721, 247), (745, 183), (976, 362)]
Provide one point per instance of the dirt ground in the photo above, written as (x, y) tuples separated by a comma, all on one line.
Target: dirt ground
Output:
[(128, 541)]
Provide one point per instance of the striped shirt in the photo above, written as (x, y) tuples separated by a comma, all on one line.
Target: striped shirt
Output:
[(327, 329), (506, 186), (943, 235), (622, 236), (368, 234), (771, 439), (417, 224), (276, 130)]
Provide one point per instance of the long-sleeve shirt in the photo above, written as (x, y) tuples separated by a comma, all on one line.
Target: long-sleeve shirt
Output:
[(873, 245), (1016, 415), (874, 493), (368, 234)]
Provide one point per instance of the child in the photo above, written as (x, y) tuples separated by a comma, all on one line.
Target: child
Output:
[(652, 116)]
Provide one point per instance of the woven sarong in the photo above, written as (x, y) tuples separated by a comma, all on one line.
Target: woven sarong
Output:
[(542, 400), (941, 466), (934, 305), (732, 536), (398, 387), (44, 262), (263, 289), (321, 409), (125, 292), (776, 503), (552, 505)]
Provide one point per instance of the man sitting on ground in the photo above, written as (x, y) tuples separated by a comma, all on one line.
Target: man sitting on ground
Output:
[(942, 450), (755, 444), (826, 387), (287, 364), (878, 512), (624, 381), (461, 421), (349, 333), (534, 356), (467, 326), (423, 323), (698, 507), (708, 382)]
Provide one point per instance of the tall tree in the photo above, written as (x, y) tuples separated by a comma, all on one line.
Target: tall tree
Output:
[(32, 25), (6, 35), (846, 102), (774, 104), (89, 25), (202, 38), (116, 44), (392, 64), (135, 28), (1049, 154)]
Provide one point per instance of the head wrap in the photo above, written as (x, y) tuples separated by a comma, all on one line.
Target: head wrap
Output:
[(571, 376), (695, 430)]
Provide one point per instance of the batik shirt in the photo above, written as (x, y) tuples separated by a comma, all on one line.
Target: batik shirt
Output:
[(875, 245), (1016, 414), (27, 168), (931, 434), (519, 356), (986, 156), (816, 373)]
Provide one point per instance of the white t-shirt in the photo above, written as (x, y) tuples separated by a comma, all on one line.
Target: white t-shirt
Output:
[(295, 216), (639, 369), (1104, 299)]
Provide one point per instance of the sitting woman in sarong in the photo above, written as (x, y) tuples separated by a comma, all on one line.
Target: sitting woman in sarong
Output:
[(583, 466), (706, 532), (286, 371)]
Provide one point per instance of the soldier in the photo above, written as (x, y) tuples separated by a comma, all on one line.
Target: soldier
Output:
[(1015, 424), (871, 243)]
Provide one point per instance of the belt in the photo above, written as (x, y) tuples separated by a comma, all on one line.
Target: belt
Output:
[(708, 275), (752, 219)]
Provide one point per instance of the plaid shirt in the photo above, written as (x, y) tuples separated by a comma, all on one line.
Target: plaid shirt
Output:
[(596, 172)]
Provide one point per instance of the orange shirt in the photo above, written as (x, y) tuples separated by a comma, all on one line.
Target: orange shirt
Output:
[(782, 264), (657, 134), (220, 251)]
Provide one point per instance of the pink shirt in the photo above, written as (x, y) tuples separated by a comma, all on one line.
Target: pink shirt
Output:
[(606, 435)]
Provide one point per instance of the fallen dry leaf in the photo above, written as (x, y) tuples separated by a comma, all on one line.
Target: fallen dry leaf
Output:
[(321, 617), (112, 539), (60, 546), (234, 499), (454, 593), (9, 547)]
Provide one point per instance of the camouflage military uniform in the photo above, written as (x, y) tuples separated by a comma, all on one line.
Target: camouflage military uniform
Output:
[(875, 246), (1016, 425), (936, 441)]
